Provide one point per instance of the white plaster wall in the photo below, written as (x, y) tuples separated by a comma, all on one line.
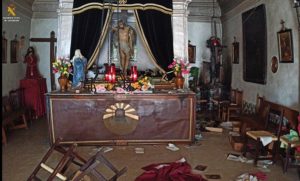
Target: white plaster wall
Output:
[(283, 86), (13, 73), (198, 34), (41, 28)]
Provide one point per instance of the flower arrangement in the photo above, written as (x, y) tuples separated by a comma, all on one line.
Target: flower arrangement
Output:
[(143, 83), (62, 65), (179, 66)]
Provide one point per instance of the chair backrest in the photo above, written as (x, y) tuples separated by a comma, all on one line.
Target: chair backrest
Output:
[(233, 95), (259, 102), (273, 123), (263, 114), (16, 98), (6, 107), (290, 119), (239, 97)]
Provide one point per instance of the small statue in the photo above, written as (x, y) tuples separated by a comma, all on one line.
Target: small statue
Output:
[(31, 60), (79, 69)]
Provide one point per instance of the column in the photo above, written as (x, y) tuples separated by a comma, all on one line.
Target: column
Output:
[(180, 25)]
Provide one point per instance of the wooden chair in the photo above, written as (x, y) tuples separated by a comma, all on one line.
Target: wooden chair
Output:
[(69, 156), (222, 104), (235, 107), (91, 168), (255, 121), (272, 132), (290, 145), (14, 113)]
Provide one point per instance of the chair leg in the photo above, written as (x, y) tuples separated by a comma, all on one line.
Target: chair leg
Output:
[(25, 121), (4, 138), (257, 150), (228, 115), (287, 158), (245, 147)]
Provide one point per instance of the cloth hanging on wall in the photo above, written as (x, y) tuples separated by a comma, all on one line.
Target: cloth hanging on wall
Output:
[(154, 23)]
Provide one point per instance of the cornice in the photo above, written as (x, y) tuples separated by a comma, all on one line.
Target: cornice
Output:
[(245, 5), (45, 9)]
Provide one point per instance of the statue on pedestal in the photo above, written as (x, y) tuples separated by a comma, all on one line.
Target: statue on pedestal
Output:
[(31, 60), (79, 69), (124, 39)]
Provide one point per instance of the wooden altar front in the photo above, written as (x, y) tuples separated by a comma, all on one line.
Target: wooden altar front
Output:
[(113, 119)]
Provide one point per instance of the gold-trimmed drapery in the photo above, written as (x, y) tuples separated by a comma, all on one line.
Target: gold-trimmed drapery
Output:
[(145, 43), (139, 6), (154, 25), (101, 39)]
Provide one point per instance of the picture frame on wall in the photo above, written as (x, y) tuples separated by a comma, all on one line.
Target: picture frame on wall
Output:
[(285, 46), (14, 47), (235, 52), (192, 53), (4, 50)]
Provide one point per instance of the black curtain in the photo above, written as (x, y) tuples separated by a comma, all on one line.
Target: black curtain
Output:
[(156, 25), (86, 30), (157, 28)]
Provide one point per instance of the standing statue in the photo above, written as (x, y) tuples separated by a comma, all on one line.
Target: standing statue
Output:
[(31, 60), (79, 69), (124, 39)]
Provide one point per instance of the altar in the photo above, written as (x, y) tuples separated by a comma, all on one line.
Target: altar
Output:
[(121, 119)]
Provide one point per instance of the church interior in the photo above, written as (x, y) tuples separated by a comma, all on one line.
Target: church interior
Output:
[(151, 90)]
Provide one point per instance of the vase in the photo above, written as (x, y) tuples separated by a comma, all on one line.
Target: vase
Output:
[(63, 82), (179, 81)]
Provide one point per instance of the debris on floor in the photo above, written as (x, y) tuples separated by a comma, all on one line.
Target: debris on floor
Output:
[(213, 176), (246, 177), (104, 149), (200, 167), (258, 176), (172, 147), (214, 129), (263, 165), (139, 150), (179, 170), (198, 137), (238, 158)]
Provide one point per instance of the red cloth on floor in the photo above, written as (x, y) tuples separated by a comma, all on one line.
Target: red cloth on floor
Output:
[(34, 90), (176, 171)]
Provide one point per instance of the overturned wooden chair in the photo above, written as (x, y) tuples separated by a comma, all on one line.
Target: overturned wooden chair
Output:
[(91, 168), (69, 156)]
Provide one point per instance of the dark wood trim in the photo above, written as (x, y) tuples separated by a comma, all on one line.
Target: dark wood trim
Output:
[(52, 41)]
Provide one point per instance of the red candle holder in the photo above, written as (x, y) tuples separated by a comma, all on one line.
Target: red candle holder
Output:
[(113, 73), (133, 73)]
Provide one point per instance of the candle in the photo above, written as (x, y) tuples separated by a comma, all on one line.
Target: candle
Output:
[(113, 73), (134, 73), (107, 72)]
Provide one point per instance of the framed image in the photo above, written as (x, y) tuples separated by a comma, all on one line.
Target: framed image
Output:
[(235, 52), (14, 47), (285, 46), (255, 45), (192, 53), (4, 50)]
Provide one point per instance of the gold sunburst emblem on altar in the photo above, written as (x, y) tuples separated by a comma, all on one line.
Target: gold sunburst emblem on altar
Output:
[(120, 118), (122, 1)]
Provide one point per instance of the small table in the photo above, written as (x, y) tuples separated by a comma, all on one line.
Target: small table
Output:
[(34, 90)]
